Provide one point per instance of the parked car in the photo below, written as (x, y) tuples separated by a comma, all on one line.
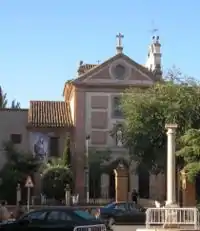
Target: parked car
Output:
[(68, 219), (122, 213)]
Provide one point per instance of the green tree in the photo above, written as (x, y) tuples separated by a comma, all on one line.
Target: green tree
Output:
[(190, 152), (4, 101), (175, 100), (67, 152), (18, 166), (55, 176), (96, 161), (15, 104)]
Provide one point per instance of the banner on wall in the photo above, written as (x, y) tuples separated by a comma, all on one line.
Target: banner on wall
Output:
[(39, 145)]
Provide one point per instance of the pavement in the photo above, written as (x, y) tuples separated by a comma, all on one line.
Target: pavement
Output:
[(127, 227)]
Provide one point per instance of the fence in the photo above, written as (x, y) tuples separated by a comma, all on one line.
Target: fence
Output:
[(173, 217), (74, 200)]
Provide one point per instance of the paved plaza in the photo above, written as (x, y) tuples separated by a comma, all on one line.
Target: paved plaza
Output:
[(127, 227)]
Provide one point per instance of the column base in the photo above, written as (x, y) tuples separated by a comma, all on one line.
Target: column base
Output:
[(169, 204)]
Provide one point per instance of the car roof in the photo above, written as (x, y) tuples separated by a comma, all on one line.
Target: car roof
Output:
[(49, 208)]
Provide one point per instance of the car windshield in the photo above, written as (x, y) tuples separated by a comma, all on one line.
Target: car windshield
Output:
[(84, 215), (109, 205)]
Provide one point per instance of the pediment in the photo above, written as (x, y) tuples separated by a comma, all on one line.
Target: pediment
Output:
[(119, 69)]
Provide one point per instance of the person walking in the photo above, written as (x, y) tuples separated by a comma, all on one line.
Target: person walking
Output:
[(134, 196), (20, 210), (4, 214)]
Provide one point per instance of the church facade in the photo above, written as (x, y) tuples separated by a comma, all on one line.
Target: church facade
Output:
[(89, 111)]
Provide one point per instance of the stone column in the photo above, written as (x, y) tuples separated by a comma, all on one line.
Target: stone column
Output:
[(171, 164), (121, 183)]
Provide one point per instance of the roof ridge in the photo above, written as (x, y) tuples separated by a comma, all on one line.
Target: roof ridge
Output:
[(51, 101)]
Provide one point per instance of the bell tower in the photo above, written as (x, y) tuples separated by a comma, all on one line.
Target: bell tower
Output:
[(154, 56)]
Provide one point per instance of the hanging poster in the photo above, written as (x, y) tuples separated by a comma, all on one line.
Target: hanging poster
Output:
[(39, 145)]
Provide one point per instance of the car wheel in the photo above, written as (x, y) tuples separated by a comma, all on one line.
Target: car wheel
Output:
[(111, 222)]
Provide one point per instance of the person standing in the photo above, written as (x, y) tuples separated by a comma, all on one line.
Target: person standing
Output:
[(4, 214), (20, 210), (134, 196)]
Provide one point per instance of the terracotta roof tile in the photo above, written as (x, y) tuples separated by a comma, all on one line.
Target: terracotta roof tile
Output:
[(86, 67), (49, 114)]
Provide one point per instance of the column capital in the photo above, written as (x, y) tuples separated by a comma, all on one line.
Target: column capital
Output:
[(171, 128)]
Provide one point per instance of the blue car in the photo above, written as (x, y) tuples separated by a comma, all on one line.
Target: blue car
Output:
[(122, 213)]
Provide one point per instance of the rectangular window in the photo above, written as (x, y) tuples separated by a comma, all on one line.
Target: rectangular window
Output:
[(54, 146), (16, 138), (117, 109)]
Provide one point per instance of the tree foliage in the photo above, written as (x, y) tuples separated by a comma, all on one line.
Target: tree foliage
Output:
[(190, 152), (18, 166), (4, 101), (67, 152), (175, 100), (55, 177), (96, 161)]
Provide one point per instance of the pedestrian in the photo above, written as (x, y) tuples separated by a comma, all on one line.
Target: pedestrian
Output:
[(4, 214), (134, 196), (20, 211)]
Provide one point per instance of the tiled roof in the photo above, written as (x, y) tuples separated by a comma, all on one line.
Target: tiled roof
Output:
[(86, 67), (49, 114)]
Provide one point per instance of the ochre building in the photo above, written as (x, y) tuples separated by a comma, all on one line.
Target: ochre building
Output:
[(89, 111)]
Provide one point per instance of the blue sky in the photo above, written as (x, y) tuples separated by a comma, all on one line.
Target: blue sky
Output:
[(42, 41)]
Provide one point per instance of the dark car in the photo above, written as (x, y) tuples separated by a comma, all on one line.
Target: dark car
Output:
[(122, 212), (63, 218)]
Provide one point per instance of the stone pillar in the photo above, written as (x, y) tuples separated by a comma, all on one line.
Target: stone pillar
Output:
[(104, 185), (121, 183), (171, 164), (18, 194), (188, 190)]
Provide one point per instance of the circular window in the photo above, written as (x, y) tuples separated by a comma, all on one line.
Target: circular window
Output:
[(119, 71)]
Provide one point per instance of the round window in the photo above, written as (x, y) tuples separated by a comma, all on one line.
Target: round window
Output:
[(120, 71)]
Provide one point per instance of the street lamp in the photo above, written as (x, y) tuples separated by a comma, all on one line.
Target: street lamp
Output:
[(87, 138)]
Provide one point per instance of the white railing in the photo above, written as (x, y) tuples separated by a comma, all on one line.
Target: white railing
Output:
[(99, 227), (170, 217)]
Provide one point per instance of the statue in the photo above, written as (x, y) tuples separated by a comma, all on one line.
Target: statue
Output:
[(119, 137), (39, 149), (121, 165)]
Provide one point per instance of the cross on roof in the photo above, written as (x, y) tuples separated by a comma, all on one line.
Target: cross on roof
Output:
[(119, 39)]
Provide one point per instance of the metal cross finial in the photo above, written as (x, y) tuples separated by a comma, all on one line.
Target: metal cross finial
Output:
[(98, 61), (153, 30), (119, 39)]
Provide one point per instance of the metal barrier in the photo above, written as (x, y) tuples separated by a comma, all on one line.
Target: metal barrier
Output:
[(168, 217), (99, 227)]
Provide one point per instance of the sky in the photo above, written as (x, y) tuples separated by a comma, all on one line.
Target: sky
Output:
[(42, 41)]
